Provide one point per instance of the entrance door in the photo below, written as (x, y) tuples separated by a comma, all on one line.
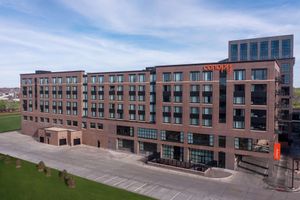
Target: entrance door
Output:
[(42, 139), (98, 144), (62, 141), (222, 158), (48, 140), (76, 141), (177, 153)]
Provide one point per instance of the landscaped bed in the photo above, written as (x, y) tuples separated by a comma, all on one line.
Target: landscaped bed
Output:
[(22, 180)]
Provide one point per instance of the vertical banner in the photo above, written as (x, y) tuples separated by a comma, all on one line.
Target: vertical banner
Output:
[(277, 151)]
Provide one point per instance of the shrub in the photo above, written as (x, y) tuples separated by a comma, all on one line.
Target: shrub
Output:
[(18, 163), (7, 159), (47, 171), (71, 182), (41, 166), (62, 174), (1, 157)]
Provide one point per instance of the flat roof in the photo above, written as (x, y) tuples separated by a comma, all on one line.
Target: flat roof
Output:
[(262, 38), (171, 65)]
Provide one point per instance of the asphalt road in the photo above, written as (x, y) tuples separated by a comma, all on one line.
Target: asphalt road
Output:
[(123, 170)]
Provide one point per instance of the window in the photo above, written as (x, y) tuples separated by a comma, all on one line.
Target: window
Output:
[(258, 120), (112, 78), (142, 78), (194, 93), (259, 74), (286, 48), (275, 49), (94, 79), (239, 118), (207, 76), (285, 78), (233, 52), (259, 94), (132, 78), (201, 139), (178, 76), (101, 79), (92, 125), (167, 77), (177, 115), (152, 77), (239, 94), (285, 68), (99, 126), (243, 144), (172, 136), (194, 76), (207, 117), (166, 114), (200, 156), (243, 51), (120, 78), (194, 116), (178, 93), (147, 133), (239, 74), (264, 50), (222, 141), (253, 51)]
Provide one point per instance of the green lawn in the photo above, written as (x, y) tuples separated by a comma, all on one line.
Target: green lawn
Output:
[(27, 183), (10, 122)]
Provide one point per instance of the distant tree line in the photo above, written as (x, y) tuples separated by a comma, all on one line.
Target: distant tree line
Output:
[(9, 106)]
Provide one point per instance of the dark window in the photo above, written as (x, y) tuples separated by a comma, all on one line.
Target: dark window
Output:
[(222, 141), (243, 51), (258, 120), (253, 51), (259, 74), (259, 94), (233, 52), (223, 96)]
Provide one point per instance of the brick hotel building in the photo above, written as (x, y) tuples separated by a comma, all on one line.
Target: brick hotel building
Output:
[(191, 112)]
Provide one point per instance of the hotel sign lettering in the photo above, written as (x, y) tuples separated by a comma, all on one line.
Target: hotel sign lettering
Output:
[(218, 67)]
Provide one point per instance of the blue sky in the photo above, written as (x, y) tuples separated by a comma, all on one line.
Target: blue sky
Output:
[(111, 35)]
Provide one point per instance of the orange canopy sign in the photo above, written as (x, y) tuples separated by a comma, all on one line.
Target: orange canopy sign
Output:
[(277, 151), (220, 67)]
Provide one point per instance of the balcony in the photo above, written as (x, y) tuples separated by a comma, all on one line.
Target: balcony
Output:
[(100, 92), (166, 114), (240, 93), (132, 112), (207, 93), (111, 92), (177, 93), (177, 114), (141, 93), (207, 116), (194, 93), (132, 93)]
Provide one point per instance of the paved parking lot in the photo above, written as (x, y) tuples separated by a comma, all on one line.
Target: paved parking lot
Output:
[(125, 171)]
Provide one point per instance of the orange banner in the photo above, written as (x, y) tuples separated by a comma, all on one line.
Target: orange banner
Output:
[(277, 151)]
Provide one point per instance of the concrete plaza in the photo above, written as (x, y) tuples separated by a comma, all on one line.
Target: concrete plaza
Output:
[(124, 170)]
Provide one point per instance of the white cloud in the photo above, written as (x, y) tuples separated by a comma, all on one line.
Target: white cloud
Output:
[(202, 29)]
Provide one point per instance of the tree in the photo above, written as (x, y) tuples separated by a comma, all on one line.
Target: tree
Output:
[(2, 106)]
